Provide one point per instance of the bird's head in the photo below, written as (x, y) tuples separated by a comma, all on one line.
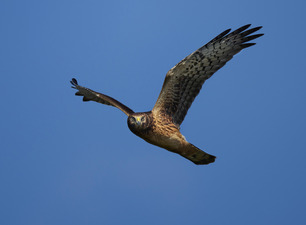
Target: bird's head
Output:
[(139, 121)]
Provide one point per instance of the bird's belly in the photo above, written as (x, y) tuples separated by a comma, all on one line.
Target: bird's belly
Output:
[(171, 143)]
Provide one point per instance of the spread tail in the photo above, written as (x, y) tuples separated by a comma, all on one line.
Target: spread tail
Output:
[(196, 155)]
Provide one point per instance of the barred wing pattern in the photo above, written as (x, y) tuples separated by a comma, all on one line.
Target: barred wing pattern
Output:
[(184, 81), (90, 95)]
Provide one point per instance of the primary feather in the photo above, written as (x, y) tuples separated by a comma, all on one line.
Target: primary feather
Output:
[(90, 95), (184, 81)]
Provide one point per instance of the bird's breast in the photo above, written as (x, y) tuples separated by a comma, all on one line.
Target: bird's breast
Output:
[(164, 136)]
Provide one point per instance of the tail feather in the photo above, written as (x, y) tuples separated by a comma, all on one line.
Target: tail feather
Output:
[(197, 156)]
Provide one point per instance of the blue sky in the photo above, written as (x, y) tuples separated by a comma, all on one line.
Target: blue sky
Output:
[(63, 161)]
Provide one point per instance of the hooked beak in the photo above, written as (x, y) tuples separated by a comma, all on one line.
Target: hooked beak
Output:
[(138, 120)]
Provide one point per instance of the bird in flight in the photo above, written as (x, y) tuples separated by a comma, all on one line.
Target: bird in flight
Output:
[(161, 125)]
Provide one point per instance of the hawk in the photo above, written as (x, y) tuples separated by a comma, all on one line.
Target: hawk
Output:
[(161, 125)]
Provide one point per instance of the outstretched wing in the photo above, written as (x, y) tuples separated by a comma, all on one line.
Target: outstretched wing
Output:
[(184, 81), (90, 95)]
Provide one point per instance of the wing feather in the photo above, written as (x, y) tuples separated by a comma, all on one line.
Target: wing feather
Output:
[(184, 81), (90, 95)]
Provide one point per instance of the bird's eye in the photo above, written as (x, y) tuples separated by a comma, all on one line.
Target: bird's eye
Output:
[(132, 120), (143, 119)]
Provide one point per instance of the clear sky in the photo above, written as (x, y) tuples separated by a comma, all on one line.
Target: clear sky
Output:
[(65, 162)]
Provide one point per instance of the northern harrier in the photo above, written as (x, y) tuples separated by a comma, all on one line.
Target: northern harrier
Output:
[(183, 82)]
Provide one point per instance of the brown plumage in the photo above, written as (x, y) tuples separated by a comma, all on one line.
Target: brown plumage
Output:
[(183, 82)]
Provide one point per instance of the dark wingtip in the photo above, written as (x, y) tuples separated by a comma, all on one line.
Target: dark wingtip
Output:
[(247, 37), (247, 45), (225, 32), (74, 82), (250, 31), (220, 36), (246, 26), (240, 29), (78, 94), (207, 160), (252, 37)]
